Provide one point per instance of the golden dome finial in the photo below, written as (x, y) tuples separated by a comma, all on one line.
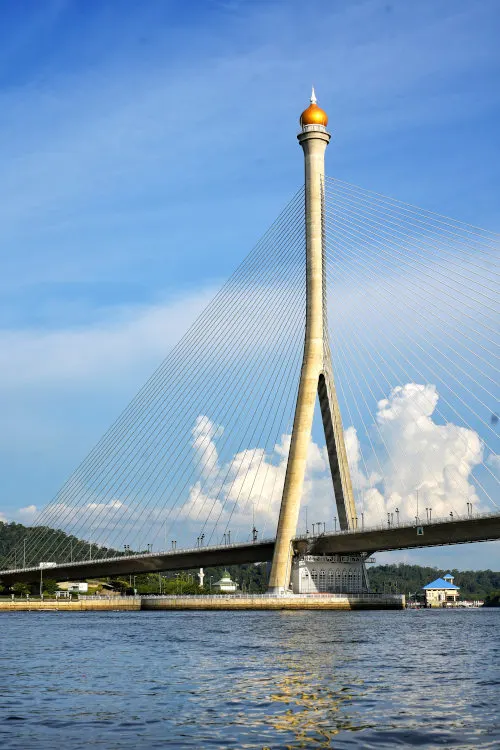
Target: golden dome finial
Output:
[(314, 115)]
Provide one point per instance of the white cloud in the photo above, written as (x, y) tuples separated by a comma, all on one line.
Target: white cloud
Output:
[(28, 513), (494, 461), (416, 454), (437, 460), (121, 343), (252, 481)]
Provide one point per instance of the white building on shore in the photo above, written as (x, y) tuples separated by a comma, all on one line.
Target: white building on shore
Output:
[(226, 585), (329, 574)]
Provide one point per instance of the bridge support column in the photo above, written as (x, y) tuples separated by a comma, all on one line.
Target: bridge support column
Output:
[(316, 367)]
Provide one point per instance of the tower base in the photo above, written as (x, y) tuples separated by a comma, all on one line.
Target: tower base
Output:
[(330, 574)]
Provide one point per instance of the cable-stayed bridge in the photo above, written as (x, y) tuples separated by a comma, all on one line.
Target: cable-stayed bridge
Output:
[(344, 378), (406, 536)]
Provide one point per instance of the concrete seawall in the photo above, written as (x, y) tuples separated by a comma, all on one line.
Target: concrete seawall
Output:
[(238, 602), (310, 602), (91, 604)]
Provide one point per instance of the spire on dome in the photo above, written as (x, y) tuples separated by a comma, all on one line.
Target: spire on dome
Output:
[(314, 115)]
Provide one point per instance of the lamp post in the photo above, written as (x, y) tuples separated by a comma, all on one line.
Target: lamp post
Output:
[(397, 515), (362, 521), (335, 523), (313, 527)]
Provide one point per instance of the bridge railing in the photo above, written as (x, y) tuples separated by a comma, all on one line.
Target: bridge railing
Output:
[(144, 555), (413, 524), (241, 595)]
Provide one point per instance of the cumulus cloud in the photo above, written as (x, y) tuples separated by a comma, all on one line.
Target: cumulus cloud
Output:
[(251, 483), (412, 454)]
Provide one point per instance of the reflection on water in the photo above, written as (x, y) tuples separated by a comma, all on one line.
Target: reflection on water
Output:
[(250, 680)]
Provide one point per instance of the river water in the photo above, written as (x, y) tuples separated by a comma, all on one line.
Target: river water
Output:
[(140, 680)]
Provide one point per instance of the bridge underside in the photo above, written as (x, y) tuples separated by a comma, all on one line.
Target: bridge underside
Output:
[(462, 531)]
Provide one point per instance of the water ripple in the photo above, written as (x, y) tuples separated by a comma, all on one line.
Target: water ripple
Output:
[(121, 681)]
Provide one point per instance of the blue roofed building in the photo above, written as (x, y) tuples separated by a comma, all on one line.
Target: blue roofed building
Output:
[(441, 592)]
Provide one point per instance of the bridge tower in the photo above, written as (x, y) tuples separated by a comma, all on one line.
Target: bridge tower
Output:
[(316, 375)]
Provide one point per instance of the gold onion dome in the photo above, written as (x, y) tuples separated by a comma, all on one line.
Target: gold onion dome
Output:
[(313, 115)]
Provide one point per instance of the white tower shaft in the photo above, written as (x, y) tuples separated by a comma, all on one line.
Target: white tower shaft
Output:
[(315, 377)]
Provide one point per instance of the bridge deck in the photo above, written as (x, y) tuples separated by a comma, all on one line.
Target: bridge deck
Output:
[(438, 533)]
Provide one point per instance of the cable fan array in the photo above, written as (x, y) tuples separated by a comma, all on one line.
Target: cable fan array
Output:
[(414, 332), (199, 453), (199, 456)]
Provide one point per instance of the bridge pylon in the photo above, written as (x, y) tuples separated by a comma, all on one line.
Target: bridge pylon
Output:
[(316, 377)]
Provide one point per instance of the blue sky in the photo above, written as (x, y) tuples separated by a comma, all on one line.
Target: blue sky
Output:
[(146, 146)]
